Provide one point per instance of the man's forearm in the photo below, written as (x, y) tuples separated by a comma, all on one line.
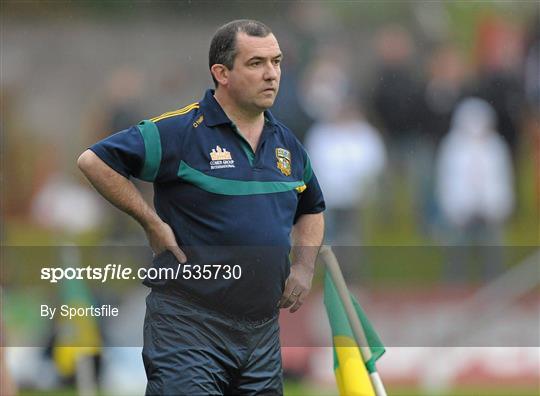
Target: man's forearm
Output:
[(307, 237), (118, 190)]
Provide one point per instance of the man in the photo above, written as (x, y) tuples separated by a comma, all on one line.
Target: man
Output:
[(233, 188)]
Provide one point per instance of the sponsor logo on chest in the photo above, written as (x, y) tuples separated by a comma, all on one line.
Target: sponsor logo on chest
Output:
[(220, 158)]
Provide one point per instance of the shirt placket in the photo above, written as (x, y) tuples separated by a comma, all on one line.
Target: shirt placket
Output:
[(254, 157)]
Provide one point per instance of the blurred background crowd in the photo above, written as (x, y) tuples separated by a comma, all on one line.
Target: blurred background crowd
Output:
[(422, 121)]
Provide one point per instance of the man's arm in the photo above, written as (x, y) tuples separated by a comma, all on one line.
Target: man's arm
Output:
[(123, 194), (307, 236)]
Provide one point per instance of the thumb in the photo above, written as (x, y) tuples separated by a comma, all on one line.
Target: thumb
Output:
[(179, 254)]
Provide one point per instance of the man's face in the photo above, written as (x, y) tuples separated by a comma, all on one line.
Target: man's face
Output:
[(253, 81)]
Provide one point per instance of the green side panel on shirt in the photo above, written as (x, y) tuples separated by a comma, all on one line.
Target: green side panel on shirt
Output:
[(152, 148), (308, 171), (221, 186)]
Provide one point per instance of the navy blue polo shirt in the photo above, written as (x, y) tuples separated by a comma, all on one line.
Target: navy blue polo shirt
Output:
[(225, 203)]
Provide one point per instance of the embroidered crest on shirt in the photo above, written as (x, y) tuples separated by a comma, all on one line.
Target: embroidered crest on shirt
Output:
[(221, 158), (283, 161)]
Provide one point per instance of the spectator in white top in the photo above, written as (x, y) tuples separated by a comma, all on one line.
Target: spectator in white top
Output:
[(348, 155), (346, 152), (475, 188)]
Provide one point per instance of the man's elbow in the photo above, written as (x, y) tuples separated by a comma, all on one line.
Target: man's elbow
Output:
[(85, 160)]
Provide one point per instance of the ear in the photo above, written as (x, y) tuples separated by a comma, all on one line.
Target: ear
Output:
[(220, 73)]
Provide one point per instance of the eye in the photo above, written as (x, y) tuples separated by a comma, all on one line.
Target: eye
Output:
[(255, 63), (277, 62)]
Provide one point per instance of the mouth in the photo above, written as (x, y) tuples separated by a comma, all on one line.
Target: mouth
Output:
[(269, 90)]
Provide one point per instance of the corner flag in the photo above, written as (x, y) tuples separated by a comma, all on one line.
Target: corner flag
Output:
[(352, 370)]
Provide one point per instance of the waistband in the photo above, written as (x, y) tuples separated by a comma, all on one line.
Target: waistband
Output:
[(200, 303)]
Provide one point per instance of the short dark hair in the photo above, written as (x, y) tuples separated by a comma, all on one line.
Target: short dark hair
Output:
[(223, 45)]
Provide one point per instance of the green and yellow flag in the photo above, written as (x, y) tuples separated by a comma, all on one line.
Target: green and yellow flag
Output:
[(78, 337), (352, 374)]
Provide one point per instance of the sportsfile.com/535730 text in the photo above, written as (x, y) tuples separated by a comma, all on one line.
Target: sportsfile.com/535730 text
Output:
[(120, 272)]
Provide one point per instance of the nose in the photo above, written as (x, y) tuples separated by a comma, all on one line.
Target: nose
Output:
[(271, 72)]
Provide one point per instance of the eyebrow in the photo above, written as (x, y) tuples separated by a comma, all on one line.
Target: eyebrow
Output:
[(280, 56)]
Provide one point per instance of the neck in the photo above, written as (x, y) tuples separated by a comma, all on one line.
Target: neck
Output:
[(236, 113)]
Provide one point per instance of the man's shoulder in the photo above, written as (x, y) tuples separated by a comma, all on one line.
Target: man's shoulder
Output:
[(174, 120), (287, 134)]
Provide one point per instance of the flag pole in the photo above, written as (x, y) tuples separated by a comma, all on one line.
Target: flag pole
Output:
[(332, 265)]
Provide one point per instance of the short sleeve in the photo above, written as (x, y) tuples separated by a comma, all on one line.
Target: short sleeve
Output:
[(311, 199), (132, 152)]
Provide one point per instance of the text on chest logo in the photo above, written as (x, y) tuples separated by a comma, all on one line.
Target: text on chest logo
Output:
[(221, 158)]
